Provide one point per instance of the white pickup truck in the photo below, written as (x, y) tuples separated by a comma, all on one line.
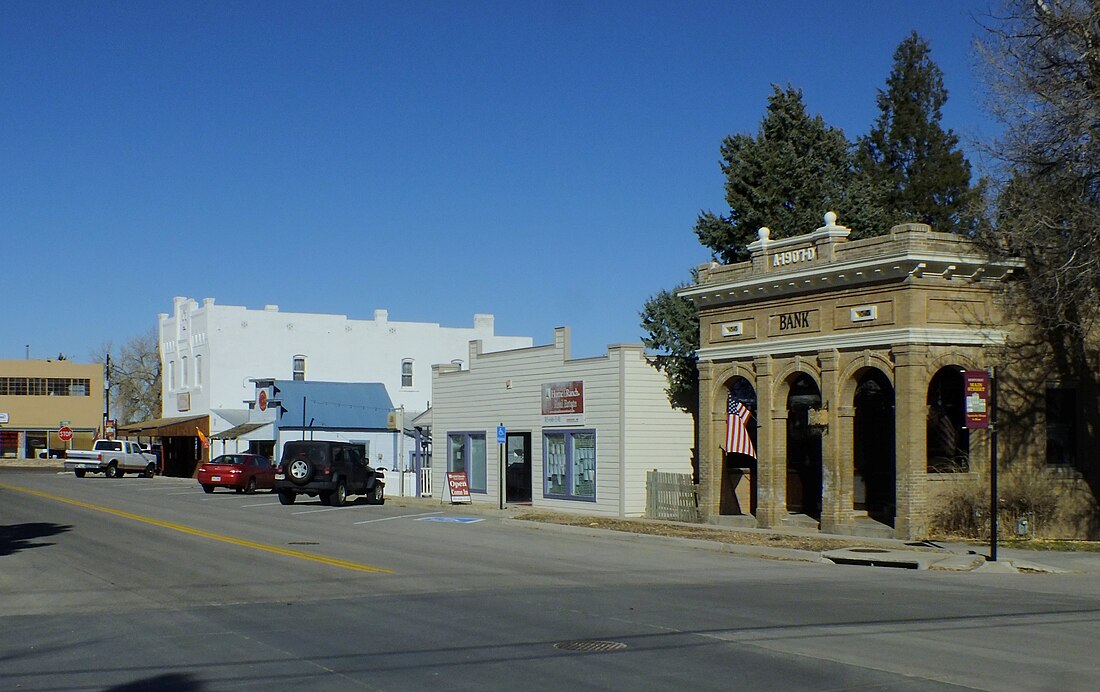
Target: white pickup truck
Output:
[(112, 458)]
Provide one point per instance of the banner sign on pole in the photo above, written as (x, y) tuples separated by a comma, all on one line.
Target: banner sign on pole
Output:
[(459, 486), (976, 391)]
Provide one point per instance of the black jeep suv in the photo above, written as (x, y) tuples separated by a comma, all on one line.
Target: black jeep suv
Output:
[(332, 470)]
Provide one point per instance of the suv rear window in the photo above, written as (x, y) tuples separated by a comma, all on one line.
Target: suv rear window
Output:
[(316, 453)]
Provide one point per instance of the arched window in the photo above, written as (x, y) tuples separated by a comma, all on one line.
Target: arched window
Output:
[(407, 372), (198, 370), (948, 440), (171, 374), (299, 368), (184, 375)]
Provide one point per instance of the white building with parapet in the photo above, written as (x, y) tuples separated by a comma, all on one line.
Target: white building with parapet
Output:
[(210, 355)]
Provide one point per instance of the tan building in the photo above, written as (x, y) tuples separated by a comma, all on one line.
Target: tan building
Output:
[(38, 397), (850, 355)]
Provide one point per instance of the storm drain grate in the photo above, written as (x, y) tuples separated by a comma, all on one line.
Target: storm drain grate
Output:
[(590, 646)]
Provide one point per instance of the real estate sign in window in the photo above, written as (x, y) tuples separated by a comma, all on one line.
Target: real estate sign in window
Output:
[(563, 403)]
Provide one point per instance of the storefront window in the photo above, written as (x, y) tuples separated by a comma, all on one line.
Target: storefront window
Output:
[(569, 458), (466, 453), (9, 443)]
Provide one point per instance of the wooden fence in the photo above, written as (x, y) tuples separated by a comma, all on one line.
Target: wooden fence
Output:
[(671, 497)]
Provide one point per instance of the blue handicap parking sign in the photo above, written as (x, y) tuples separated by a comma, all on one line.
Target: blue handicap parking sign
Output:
[(502, 434)]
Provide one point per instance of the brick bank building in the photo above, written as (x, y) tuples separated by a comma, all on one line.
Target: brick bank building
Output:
[(850, 356)]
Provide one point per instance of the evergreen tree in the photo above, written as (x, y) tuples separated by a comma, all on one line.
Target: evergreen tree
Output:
[(672, 324), (925, 176), (795, 169)]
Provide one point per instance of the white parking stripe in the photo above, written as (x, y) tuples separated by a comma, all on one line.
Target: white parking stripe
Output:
[(326, 509), (402, 516), (264, 504)]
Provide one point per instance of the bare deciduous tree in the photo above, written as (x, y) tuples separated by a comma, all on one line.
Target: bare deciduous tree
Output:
[(135, 377), (1043, 61)]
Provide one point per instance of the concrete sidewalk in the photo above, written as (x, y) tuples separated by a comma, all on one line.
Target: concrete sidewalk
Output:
[(864, 551)]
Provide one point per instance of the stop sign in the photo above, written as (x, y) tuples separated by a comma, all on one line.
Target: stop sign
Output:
[(65, 433)]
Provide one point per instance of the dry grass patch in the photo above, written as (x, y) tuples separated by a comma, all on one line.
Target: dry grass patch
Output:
[(697, 531)]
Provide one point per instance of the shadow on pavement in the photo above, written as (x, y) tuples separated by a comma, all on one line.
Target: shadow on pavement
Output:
[(18, 537), (168, 682)]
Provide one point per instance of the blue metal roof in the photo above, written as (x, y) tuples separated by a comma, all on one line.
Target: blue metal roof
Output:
[(333, 405)]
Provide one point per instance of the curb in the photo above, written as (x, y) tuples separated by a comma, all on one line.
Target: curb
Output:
[(758, 551)]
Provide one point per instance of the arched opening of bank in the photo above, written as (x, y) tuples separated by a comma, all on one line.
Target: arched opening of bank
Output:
[(739, 472), (803, 448), (873, 447), (947, 438)]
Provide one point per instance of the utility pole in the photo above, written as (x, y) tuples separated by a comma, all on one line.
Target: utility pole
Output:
[(106, 393)]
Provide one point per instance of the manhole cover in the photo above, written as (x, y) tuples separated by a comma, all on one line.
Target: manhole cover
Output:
[(590, 646), (867, 550)]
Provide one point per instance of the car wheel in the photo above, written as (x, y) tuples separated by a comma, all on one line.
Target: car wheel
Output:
[(338, 496), (251, 487), (286, 497), (79, 473), (150, 471), (300, 471), (207, 488), (378, 494), (112, 471)]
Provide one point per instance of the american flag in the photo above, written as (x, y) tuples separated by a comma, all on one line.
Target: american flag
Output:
[(737, 428)]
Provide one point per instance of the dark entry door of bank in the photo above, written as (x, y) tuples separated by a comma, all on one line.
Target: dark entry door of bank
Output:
[(803, 450), (517, 471)]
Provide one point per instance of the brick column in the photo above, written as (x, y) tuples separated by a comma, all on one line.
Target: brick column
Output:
[(834, 513), (710, 456), (910, 430), (771, 450)]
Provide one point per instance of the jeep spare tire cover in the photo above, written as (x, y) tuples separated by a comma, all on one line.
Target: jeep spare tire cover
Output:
[(300, 470)]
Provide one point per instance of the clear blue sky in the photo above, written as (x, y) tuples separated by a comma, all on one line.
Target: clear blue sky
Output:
[(541, 161)]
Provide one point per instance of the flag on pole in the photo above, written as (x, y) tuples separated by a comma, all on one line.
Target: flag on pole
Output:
[(737, 428), (202, 438)]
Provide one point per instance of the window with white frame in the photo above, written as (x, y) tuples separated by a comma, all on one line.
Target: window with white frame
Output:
[(171, 374), (407, 372), (184, 375), (569, 459), (198, 370), (299, 368), (466, 453)]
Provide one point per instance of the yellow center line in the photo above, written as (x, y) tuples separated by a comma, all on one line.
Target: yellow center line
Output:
[(285, 552)]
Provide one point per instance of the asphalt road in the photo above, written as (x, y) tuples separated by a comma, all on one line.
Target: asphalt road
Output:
[(132, 583)]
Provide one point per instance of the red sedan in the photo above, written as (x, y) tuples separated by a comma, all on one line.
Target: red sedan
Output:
[(242, 472)]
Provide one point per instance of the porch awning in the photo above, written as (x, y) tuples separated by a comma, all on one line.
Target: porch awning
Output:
[(239, 430), (180, 426)]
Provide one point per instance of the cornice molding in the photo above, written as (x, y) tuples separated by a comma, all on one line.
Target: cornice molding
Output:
[(855, 340)]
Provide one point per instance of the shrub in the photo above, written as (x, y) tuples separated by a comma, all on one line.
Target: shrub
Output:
[(1055, 506)]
